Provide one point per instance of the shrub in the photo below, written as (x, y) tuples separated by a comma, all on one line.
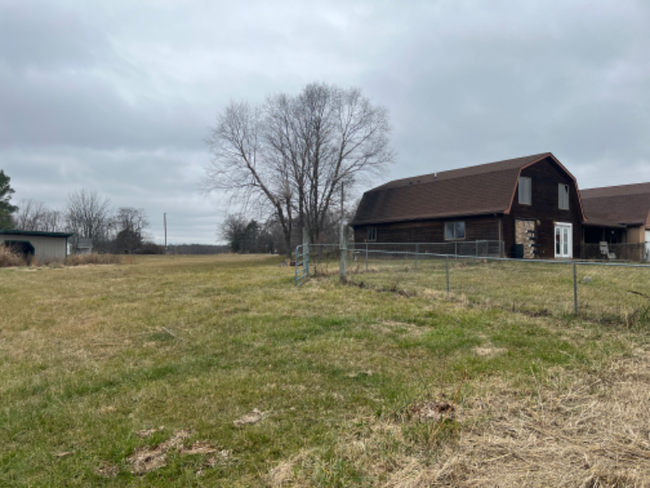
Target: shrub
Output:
[(10, 258), (150, 248), (93, 258)]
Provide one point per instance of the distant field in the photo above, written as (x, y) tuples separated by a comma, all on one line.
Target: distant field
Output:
[(217, 371)]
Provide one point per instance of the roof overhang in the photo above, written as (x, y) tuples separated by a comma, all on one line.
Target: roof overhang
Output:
[(34, 233)]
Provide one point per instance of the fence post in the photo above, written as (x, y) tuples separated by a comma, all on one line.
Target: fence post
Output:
[(447, 266), (416, 256), (343, 250), (575, 288), (366, 256), (305, 248), (455, 251), (296, 264)]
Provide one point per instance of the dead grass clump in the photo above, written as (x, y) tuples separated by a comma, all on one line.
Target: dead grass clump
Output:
[(94, 258), (250, 418), (569, 429), (147, 458), (8, 258)]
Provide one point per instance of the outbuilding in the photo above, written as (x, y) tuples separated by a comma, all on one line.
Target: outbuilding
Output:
[(41, 245)]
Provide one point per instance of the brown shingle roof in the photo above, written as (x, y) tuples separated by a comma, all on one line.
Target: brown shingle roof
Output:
[(476, 190), (617, 205)]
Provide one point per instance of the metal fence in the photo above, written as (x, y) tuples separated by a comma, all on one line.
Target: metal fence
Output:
[(596, 290), (624, 252)]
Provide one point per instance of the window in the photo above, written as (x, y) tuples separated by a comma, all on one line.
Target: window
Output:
[(454, 230), (372, 233), (563, 196), (563, 241), (525, 190)]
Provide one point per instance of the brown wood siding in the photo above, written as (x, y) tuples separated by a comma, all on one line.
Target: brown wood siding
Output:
[(544, 208), (476, 228)]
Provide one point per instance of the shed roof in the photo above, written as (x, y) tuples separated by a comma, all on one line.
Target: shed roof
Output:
[(613, 206), (475, 190), (34, 233)]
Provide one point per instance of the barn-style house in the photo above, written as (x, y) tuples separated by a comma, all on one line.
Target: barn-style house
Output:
[(530, 204)]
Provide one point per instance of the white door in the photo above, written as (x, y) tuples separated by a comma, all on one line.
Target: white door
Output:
[(647, 246), (563, 241)]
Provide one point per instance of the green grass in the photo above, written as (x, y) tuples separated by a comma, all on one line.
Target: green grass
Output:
[(605, 293), (93, 354)]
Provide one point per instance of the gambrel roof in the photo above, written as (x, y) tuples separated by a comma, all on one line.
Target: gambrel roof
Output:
[(475, 190)]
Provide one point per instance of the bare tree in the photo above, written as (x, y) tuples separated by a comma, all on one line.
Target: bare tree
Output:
[(294, 155), (29, 215), (52, 221), (87, 215)]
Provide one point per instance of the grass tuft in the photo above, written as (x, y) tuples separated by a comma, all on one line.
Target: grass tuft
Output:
[(8, 258)]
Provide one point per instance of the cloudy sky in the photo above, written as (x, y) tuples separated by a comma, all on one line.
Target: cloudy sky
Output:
[(118, 96)]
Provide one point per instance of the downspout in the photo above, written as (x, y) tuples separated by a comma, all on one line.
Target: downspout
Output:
[(501, 243)]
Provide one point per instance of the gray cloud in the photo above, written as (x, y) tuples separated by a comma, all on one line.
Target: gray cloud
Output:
[(117, 96)]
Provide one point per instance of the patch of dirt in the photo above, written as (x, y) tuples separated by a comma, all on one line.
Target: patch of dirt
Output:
[(146, 458), (250, 418), (436, 411)]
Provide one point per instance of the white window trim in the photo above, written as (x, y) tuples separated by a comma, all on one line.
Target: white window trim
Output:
[(561, 188), (562, 225), (444, 231), (521, 193)]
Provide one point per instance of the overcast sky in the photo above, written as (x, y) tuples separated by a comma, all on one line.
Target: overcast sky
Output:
[(118, 96)]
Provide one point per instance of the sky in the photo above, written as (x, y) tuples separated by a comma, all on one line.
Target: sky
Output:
[(118, 97)]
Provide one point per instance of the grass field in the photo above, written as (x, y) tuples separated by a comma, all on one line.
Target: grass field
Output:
[(217, 371), (605, 293)]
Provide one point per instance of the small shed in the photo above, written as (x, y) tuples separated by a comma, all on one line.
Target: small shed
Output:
[(42, 245), (84, 246)]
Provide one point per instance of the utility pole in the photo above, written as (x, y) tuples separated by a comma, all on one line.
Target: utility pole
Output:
[(165, 220), (342, 199)]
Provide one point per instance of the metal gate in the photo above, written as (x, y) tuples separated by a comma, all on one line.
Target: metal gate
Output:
[(302, 264)]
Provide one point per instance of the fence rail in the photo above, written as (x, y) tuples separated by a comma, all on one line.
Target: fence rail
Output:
[(603, 291)]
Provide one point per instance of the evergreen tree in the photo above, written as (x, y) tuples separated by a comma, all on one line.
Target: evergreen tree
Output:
[(6, 209)]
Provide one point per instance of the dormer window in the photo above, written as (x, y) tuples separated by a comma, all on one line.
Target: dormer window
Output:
[(525, 190), (563, 196)]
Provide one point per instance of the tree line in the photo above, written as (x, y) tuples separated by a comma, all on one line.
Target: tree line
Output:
[(86, 214)]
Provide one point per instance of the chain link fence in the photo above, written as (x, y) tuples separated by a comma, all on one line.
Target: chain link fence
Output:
[(605, 292)]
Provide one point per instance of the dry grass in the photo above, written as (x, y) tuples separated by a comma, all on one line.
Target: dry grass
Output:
[(9, 258), (93, 258), (589, 430)]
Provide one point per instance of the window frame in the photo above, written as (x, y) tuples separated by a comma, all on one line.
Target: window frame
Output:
[(563, 190), (371, 236), (454, 224), (522, 191)]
